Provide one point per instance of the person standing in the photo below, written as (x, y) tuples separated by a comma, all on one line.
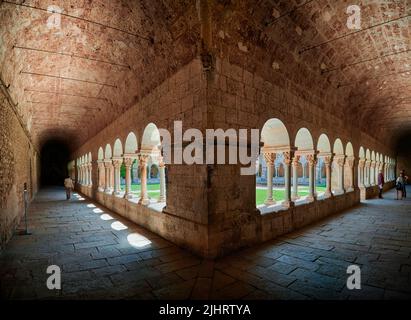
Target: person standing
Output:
[(404, 185), (400, 185), (68, 184), (380, 183)]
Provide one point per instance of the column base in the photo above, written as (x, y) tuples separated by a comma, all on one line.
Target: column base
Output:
[(162, 199), (328, 194), (311, 198), (288, 204), (144, 201), (128, 196), (269, 202), (295, 197)]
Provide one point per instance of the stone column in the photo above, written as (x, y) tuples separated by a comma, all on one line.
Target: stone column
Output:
[(80, 171), (328, 162), (107, 186), (312, 161), (269, 160), (128, 162), (143, 160), (351, 163), (361, 165), (287, 179), (162, 174), (100, 176), (367, 173), (340, 162), (372, 173), (90, 176), (294, 195), (116, 172)]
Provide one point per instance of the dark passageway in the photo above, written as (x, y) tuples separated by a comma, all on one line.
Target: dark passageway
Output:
[(54, 158)]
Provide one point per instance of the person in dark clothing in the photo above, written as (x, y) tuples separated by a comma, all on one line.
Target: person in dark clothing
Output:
[(404, 185), (380, 183)]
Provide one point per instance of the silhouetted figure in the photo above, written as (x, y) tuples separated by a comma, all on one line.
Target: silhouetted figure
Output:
[(404, 189), (400, 185), (380, 183), (68, 184)]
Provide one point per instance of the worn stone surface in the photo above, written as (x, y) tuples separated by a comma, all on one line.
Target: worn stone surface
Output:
[(97, 262)]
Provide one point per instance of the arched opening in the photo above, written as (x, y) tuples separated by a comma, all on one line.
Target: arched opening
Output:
[(130, 182), (303, 167), (108, 168), (152, 190), (117, 164), (324, 166), (276, 143), (338, 168), (55, 155)]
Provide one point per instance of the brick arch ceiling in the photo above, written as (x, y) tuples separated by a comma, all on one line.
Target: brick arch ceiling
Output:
[(306, 42), (72, 81), (367, 73)]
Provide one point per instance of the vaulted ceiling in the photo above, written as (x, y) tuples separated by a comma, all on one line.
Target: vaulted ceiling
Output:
[(72, 81), (70, 78), (368, 70)]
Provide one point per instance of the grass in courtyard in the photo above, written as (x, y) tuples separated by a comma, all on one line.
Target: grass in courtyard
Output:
[(152, 189), (279, 195)]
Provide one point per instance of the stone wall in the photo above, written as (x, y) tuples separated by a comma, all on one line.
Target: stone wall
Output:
[(19, 164)]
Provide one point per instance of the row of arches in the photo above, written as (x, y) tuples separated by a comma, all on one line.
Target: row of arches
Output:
[(84, 170), (370, 164), (115, 163), (338, 160)]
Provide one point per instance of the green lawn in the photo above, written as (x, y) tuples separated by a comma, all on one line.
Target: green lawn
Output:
[(154, 192), (152, 189), (278, 195)]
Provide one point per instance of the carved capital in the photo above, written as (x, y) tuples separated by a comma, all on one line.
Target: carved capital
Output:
[(350, 162), (340, 160), (143, 160), (269, 158), (287, 157), (117, 163), (328, 160), (161, 163), (312, 160), (128, 162), (295, 160)]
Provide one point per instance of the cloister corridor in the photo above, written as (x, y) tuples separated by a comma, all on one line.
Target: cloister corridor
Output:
[(105, 257)]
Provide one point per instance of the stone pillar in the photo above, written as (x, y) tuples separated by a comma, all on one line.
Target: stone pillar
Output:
[(142, 162), (351, 164), (116, 172), (340, 162), (361, 165), (80, 176), (128, 162), (372, 173), (269, 160), (162, 174), (328, 162), (100, 176), (107, 186), (294, 195), (287, 179), (312, 161), (90, 176), (367, 173)]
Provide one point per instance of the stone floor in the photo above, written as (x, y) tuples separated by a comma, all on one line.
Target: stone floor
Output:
[(105, 257)]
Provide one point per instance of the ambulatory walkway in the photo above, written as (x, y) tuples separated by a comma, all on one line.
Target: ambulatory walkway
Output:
[(103, 256)]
